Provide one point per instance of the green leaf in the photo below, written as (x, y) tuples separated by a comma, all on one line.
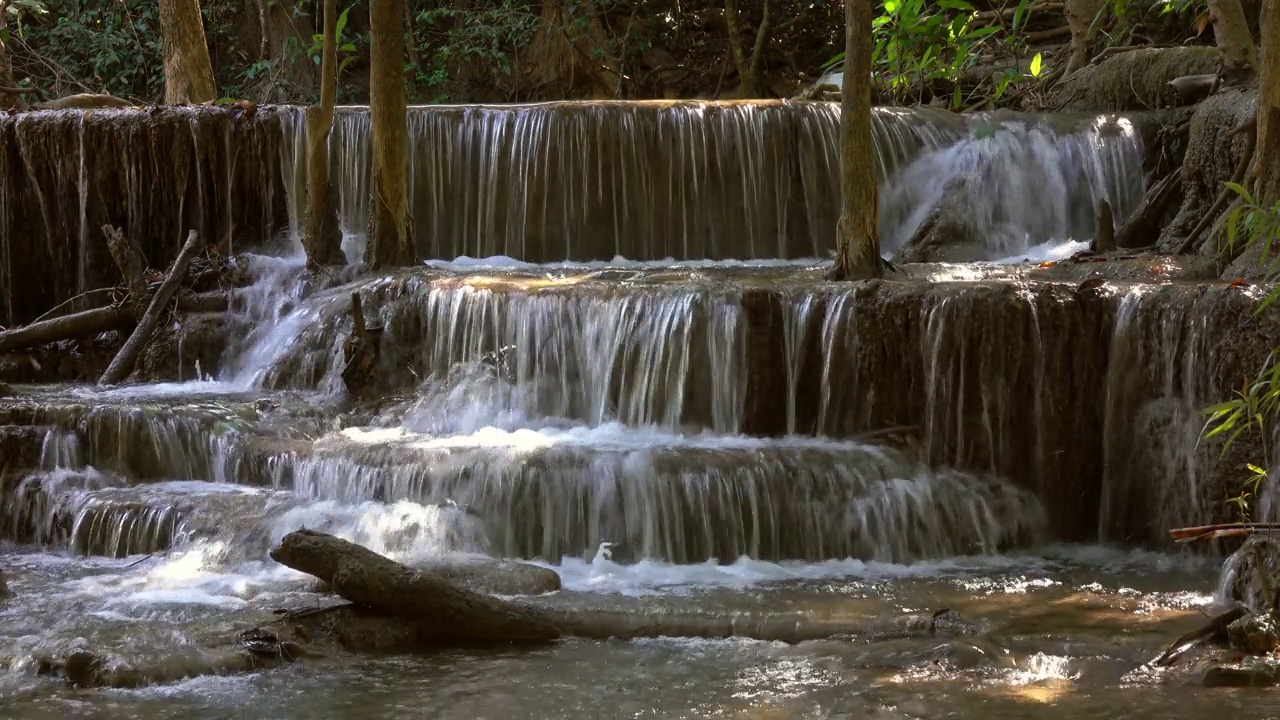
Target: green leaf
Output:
[(1240, 190), (1035, 65), (347, 48), (341, 24)]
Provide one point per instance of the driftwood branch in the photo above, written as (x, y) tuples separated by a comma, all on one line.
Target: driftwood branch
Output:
[(1199, 636), (122, 364), (1205, 533), (128, 257), (99, 320)]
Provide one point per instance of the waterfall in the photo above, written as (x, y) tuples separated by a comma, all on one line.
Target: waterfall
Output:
[(579, 181)]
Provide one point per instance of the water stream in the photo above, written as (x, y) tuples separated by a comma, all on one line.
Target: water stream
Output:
[(682, 434)]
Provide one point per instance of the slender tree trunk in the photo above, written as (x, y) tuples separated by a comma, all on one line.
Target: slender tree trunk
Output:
[(389, 220), (1083, 20), (1235, 42), (748, 65), (323, 239), (1267, 155), (8, 101), (188, 74), (857, 234)]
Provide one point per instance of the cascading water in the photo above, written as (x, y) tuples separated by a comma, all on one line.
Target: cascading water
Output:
[(643, 428), (574, 181)]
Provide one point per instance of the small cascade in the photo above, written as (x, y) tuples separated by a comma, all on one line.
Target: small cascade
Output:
[(554, 493), (141, 440), (590, 351), (155, 174), (1169, 361), (1019, 183)]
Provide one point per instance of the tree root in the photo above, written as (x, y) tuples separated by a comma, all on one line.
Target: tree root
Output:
[(1249, 129)]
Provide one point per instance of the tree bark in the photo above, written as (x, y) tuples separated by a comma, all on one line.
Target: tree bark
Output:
[(122, 364), (128, 257), (438, 611), (8, 100), (389, 220), (748, 65), (1235, 42), (99, 320), (857, 233), (1081, 16), (443, 611), (323, 239), (1267, 152), (188, 74)]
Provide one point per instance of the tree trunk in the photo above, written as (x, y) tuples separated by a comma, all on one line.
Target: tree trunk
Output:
[(323, 239), (1235, 43), (1081, 17), (389, 220), (8, 101), (857, 233), (748, 65), (1267, 153), (188, 74)]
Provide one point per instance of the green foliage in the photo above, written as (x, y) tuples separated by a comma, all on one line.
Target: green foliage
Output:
[(347, 46), (1258, 402), (920, 42), (482, 35), (102, 47)]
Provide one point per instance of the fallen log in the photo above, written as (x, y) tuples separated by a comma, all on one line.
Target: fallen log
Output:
[(438, 612), (441, 610), (99, 320), (122, 364)]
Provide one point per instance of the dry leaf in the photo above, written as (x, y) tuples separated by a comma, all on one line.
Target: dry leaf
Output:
[(1202, 22)]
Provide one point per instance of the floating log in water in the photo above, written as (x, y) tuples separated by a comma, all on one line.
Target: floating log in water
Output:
[(399, 609), (441, 612), (122, 364)]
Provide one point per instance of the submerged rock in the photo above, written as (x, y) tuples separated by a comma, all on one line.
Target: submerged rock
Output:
[(1261, 675), (1254, 634), (1242, 581), (5, 592)]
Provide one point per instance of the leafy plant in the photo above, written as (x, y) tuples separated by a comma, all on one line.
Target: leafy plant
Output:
[(347, 48), (1258, 401)]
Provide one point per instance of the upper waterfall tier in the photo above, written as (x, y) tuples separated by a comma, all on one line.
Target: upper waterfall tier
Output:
[(556, 181)]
